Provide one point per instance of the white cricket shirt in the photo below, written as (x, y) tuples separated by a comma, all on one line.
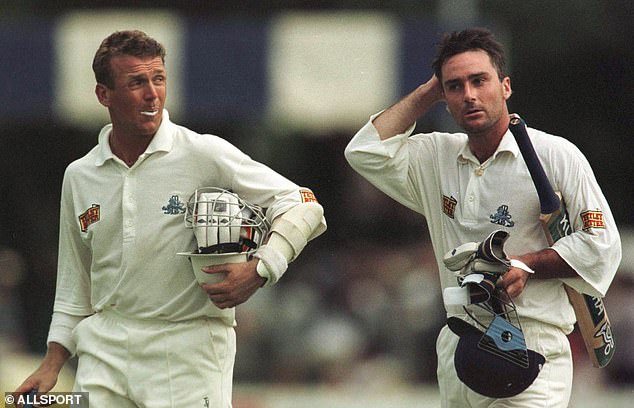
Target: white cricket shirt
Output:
[(121, 228), (463, 201)]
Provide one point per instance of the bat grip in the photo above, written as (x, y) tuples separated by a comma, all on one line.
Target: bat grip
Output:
[(548, 200)]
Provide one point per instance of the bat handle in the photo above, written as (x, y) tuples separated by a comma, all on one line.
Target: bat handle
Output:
[(549, 200)]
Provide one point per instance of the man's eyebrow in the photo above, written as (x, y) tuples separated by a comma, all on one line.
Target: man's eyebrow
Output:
[(471, 76), (479, 74), (141, 75)]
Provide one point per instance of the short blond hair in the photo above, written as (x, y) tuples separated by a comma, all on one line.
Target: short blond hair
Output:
[(131, 42)]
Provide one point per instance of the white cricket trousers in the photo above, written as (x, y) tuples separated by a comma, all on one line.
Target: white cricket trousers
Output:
[(551, 389), (128, 363)]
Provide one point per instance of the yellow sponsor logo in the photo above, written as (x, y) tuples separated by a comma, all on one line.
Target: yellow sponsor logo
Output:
[(308, 196), (592, 219)]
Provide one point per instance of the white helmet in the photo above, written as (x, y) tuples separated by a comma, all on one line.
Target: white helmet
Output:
[(224, 223)]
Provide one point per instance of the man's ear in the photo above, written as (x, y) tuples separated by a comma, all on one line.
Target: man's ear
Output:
[(506, 88), (103, 94)]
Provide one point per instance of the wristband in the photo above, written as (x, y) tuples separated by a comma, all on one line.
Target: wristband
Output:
[(516, 263), (272, 264)]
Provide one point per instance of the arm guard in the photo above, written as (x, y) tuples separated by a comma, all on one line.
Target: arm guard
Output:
[(290, 232)]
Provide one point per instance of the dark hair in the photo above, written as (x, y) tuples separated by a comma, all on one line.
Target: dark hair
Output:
[(470, 39), (135, 43)]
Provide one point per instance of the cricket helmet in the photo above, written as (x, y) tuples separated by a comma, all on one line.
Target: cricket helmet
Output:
[(224, 223), (494, 363)]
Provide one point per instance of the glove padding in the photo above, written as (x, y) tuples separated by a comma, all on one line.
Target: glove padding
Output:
[(474, 257)]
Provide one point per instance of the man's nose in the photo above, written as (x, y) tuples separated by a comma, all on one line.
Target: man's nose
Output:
[(150, 91), (469, 94)]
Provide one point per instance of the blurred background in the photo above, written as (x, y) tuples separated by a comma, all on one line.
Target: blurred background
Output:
[(354, 321)]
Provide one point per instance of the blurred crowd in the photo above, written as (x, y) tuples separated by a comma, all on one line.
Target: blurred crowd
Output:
[(361, 314)]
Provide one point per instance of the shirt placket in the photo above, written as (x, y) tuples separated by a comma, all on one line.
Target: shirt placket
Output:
[(471, 205), (129, 207)]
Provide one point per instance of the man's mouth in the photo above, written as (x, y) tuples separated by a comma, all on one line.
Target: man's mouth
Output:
[(471, 112), (150, 112)]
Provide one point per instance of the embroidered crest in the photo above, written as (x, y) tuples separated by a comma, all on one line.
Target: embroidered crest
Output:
[(449, 205), (502, 216), (90, 216), (592, 219), (307, 196), (174, 206)]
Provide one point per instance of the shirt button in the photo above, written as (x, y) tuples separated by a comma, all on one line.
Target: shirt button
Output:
[(479, 171)]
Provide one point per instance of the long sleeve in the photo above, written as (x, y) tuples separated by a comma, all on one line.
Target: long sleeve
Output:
[(385, 164), (73, 271), (594, 247)]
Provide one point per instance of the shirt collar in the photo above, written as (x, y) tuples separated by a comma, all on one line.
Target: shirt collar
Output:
[(507, 144), (162, 140)]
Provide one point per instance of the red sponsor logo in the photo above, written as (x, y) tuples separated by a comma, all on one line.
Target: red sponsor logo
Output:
[(307, 196), (90, 216), (449, 205), (592, 219)]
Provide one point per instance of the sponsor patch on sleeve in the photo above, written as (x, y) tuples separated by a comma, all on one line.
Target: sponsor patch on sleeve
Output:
[(592, 219), (90, 216), (307, 196)]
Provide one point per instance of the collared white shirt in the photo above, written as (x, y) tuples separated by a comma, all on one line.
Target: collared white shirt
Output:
[(121, 228), (463, 201)]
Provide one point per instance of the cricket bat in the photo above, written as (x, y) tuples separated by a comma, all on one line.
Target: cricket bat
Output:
[(592, 316)]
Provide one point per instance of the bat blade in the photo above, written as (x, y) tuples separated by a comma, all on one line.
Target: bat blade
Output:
[(556, 224), (594, 326), (592, 318)]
